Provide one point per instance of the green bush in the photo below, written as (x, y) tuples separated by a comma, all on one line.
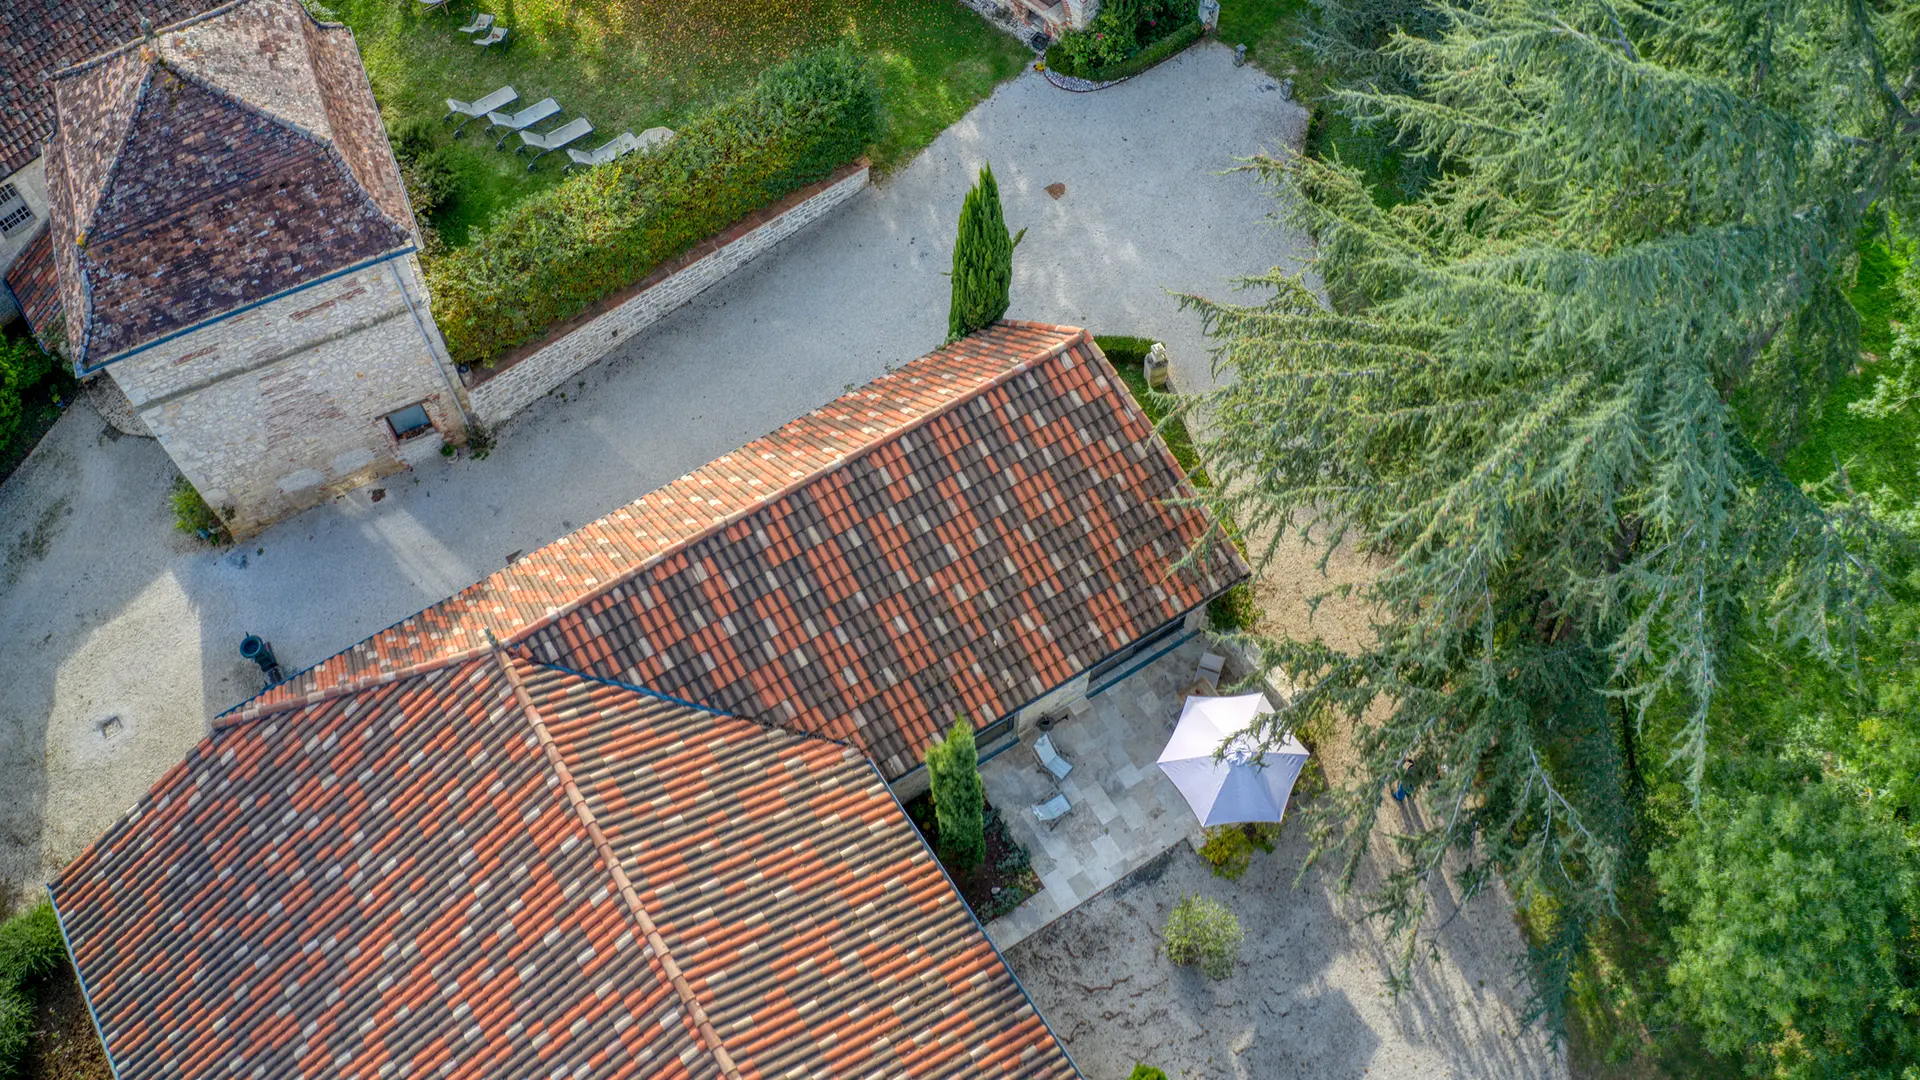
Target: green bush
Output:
[(1126, 38), (1234, 609), (23, 365), (424, 165), (1146, 1072), (192, 515), (557, 252), (31, 949), (1796, 932), (959, 798), (1229, 848), (1202, 931)]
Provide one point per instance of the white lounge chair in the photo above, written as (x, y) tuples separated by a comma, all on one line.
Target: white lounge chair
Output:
[(473, 110), (617, 147), (1211, 665), (492, 37), (1051, 811), (434, 5), (542, 145), (654, 136), (480, 22), (521, 120), (1051, 761)]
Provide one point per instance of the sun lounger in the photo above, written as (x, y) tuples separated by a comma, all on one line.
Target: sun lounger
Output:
[(617, 147), (479, 23), (521, 120), (1051, 761), (434, 5), (542, 145), (1052, 810), (473, 110), (653, 137), (492, 37)]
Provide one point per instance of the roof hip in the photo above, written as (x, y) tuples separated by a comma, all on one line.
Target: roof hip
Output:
[(656, 943)]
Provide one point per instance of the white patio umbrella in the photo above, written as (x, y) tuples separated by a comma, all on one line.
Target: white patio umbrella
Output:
[(1251, 783)]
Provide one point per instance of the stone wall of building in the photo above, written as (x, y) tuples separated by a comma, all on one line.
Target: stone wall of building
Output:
[(279, 407), (519, 381)]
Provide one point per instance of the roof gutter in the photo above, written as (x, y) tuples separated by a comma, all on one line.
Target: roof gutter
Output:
[(81, 369)]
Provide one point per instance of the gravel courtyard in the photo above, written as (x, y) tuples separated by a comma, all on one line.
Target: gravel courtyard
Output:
[(1308, 999), (118, 637)]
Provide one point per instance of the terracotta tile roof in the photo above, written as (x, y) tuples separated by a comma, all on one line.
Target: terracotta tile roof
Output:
[(493, 869), (962, 534), (43, 36), (234, 156), (34, 284)]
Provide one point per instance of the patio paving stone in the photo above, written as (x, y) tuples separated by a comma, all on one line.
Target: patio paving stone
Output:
[(1125, 811)]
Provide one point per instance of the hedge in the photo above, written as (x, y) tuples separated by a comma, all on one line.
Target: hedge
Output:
[(557, 252), (1181, 37)]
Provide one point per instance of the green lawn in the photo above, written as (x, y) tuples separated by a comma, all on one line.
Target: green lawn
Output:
[(1274, 32), (628, 65)]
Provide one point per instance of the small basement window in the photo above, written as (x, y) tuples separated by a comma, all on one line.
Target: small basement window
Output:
[(410, 421)]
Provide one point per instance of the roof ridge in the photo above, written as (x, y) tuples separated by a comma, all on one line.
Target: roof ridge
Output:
[(578, 802), (82, 229), (1081, 336)]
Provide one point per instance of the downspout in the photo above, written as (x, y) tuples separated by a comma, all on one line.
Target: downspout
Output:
[(427, 340)]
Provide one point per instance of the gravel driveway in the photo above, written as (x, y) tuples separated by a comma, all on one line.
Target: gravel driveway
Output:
[(118, 638)]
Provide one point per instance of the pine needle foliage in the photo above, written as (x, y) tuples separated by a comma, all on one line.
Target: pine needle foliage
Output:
[(959, 798), (982, 260), (1547, 407)]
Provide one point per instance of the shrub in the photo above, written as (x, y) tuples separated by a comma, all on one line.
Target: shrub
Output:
[(192, 515), (1124, 39), (1146, 1072), (959, 798), (1234, 609), (31, 949), (23, 364), (555, 253), (1202, 931), (982, 260), (1796, 931), (1229, 848)]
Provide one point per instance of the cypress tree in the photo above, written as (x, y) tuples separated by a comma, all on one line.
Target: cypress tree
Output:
[(982, 260), (959, 798), (1549, 408)]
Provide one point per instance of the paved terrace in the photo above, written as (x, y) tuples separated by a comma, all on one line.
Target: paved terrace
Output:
[(1125, 810)]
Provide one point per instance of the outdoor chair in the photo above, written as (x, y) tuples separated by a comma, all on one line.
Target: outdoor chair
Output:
[(473, 110), (652, 137), (521, 120), (1049, 760), (1050, 812), (552, 140), (492, 37), (479, 23), (434, 5), (617, 147), (1053, 810)]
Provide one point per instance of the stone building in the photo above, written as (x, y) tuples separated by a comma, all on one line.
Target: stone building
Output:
[(233, 247)]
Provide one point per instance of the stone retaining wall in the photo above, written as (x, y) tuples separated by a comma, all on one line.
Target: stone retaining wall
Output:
[(525, 375)]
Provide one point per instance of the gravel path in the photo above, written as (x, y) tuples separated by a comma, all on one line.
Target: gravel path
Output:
[(105, 613)]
